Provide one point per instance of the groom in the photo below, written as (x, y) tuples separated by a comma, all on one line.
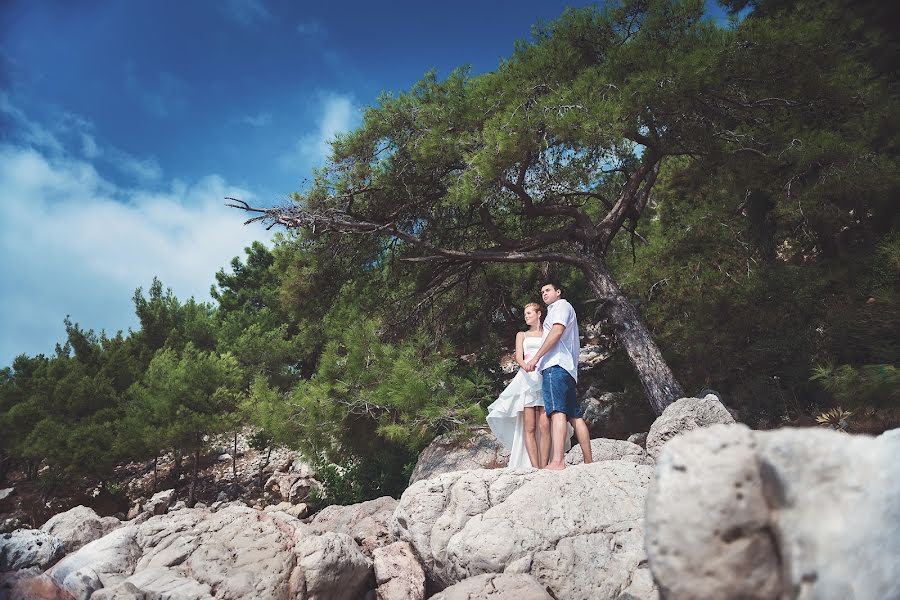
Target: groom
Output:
[(557, 360)]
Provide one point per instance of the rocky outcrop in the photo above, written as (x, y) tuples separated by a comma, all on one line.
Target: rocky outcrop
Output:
[(160, 502), (496, 586), (32, 586), (790, 513), (447, 454), (685, 415), (291, 487), (24, 548), (579, 532), (638, 438), (603, 449), (78, 526), (368, 523), (398, 574), (235, 552)]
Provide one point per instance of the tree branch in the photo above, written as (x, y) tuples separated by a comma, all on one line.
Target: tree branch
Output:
[(631, 200), (294, 217)]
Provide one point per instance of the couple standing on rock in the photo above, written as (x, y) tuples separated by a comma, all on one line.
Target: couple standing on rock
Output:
[(536, 413)]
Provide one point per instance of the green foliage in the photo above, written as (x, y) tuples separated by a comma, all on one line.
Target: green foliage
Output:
[(367, 393), (383, 474), (185, 396), (864, 386), (766, 263)]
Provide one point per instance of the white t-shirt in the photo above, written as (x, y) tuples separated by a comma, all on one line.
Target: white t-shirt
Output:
[(565, 352)]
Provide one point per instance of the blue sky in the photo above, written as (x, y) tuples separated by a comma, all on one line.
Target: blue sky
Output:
[(124, 124)]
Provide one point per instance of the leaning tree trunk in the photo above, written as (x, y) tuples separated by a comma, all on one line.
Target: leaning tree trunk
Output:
[(660, 386)]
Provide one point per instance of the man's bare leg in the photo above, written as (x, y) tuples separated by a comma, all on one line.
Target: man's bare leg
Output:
[(543, 436), (583, 435), (558, 421), (529, 417)]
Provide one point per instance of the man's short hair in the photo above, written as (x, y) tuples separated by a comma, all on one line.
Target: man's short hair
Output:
[(553, 282)]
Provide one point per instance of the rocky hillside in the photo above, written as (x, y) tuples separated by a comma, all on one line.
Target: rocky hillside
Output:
[(710, 509)]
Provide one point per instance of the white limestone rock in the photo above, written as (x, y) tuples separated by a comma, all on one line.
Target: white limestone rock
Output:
[(604, 449), (447, 454), (24, 548), (579, 532), (160, 502), (685, 415), (235, 552), (789, 513), (398, 574), (367, 522), (496, 586), (291, 487), (78, 526)]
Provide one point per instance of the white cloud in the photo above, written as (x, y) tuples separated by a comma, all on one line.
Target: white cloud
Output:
[(89, 146), (28, 131), (144, 169), (68, 133), (74, 243), (337, 114)]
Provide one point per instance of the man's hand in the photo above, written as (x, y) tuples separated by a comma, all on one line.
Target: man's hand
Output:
[(530, 366)]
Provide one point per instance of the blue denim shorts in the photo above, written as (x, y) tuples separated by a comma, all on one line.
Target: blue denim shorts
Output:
[(559, 392)]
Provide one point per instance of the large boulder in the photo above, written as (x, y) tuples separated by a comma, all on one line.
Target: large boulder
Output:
[(78, 526), (368, 523), (447, 454), (235, 552), (25, 548), (160, 502), (790, 513), (398, 574), (603, 449), (496, 586), (579, 532), (684, 415)]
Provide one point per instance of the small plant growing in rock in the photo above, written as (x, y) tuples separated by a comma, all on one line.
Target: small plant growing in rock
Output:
[(836, 418)]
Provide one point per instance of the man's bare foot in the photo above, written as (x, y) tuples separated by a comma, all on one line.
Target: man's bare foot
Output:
[(555, 466)]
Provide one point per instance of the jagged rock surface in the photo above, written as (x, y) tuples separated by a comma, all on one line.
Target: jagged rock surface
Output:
[(368, 523), (496, 586), (579, 532), (78, 526), (447, 454), (603, 449), (235, 552), (398, 574), (24, 548), (685, 415), (790, 513)]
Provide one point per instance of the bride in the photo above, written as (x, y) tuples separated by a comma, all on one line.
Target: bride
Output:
[(517, 417)]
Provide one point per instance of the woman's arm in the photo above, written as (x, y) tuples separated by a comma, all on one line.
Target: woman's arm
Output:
[(520, 349), (555, 333)]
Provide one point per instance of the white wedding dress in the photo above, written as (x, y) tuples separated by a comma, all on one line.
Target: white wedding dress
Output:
[(505, 416)]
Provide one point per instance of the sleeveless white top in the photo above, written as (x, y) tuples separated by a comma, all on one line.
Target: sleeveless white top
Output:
[(531, 345)]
